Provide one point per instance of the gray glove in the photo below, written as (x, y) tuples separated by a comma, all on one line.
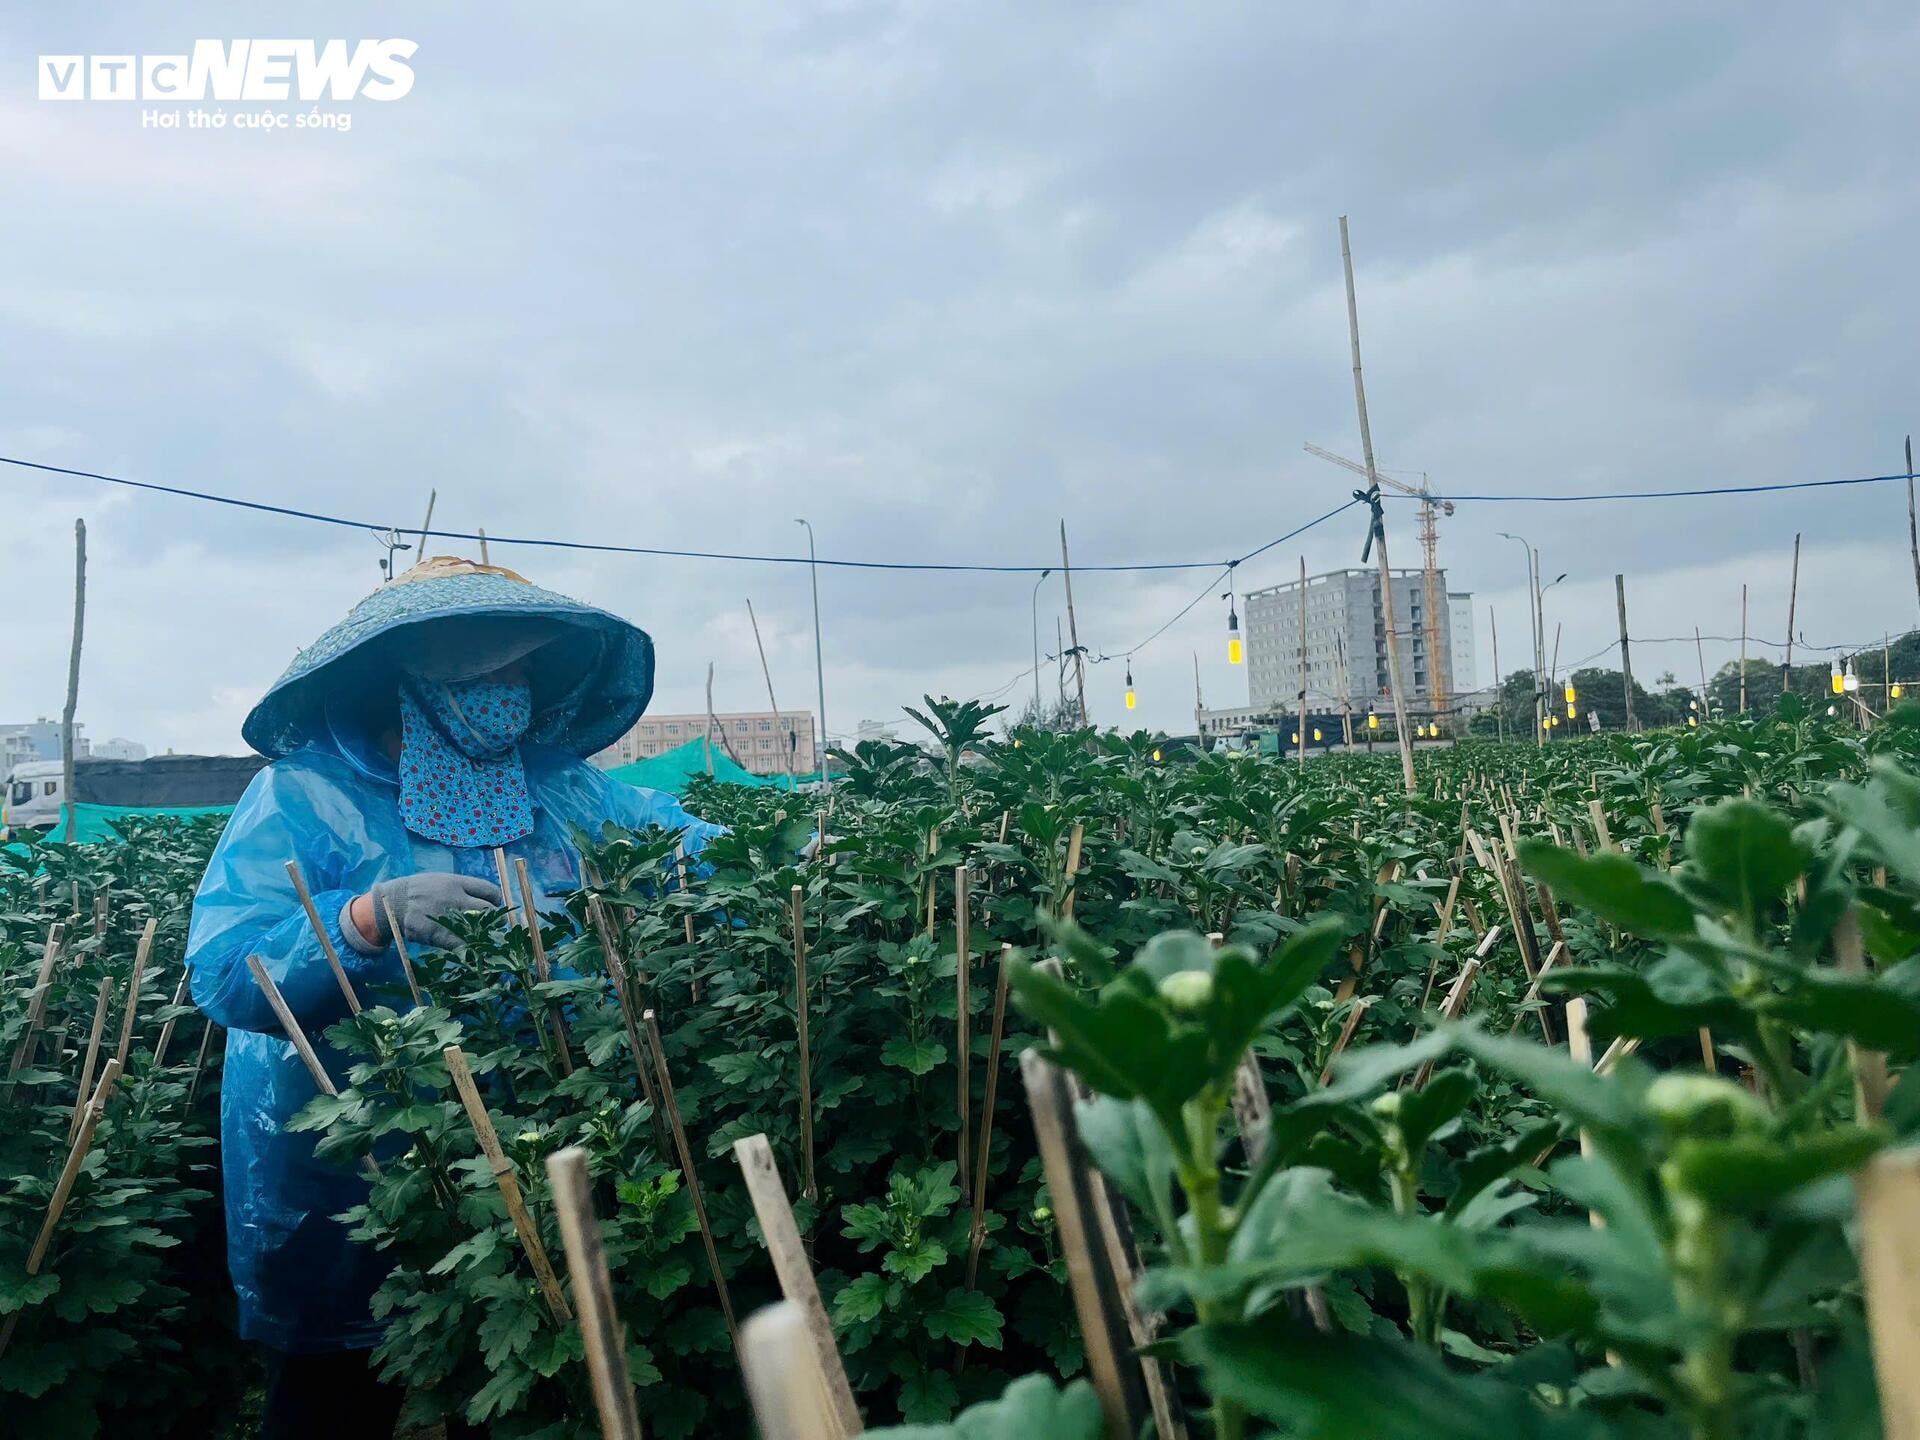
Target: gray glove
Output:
[(419, 900)]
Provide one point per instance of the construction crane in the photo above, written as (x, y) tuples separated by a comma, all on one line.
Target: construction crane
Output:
[(1441, 688)]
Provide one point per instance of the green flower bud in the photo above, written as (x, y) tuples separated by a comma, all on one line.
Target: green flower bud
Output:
[(1704, 1106), (1387, 1106), (1187, 992)]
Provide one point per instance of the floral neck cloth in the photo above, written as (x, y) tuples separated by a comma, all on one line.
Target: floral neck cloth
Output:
[(461, 781)]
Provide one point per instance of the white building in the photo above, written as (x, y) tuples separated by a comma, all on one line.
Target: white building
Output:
[(1466, 670), (119, 749), (1346, 641), (764, 742)]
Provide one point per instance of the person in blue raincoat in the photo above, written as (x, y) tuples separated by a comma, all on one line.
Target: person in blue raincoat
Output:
[(449, 713)]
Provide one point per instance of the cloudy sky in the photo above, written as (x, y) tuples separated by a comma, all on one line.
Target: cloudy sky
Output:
[(935, 276)]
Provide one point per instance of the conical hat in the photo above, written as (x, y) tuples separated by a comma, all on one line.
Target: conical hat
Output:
[(592, 672)]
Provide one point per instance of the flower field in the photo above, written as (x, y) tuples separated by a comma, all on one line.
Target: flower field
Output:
[(1529, 1104)]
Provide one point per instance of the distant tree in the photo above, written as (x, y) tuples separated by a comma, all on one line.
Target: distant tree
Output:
[(1059, 716)]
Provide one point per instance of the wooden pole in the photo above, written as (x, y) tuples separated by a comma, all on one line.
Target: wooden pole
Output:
[(400, 949), (600, 1327), (70, 1172), (320, 933), (1073, 868), (977, 1231), (1302, 736), (1626, 654), (1706, 708), (140, 954), (481, 531), (426, 524), (798, 901), (1793, 596), (1499, 695), (73, 676), (37, 1005), (1871, 1082), (797, 1284), (1360, 1008), (530, 917), (200, 1061), (765, 673), (617, 972), (1379, 525), (508, 1181), (81, 1095), (290, 1026), (685, 1152), (1095, 1289), (1073, 628), (1743, 649), (963, 1021), (789, 1395), (166, 1030), (1913, 532)]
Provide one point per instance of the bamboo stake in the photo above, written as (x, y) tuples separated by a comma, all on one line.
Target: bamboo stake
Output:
[(798, 899), (1359, 1009), (790, 1398), (680, 873), (593, 1291), (199, 1062), (963, 1018), (68, 802), (530, 917), (1379, 528), (840, 1412), (977, 1231), (400, 949), (93, 1055), (1301, 738), (63, 1188), (1600, 831), (37, 1006), (320, 934), (76, 1156), (1870, 1080), (508, 1181), (1743, 649), (166, 1030), (505, 881), (617, 972), (1091, 1281), (933, 849), (140, 954), (692, 1176), (291, 1027), (1554, 957), (1073, 868), (1793, 598), (1707, 1056), (1888, 1194), (1451, 1009), (100, 914)]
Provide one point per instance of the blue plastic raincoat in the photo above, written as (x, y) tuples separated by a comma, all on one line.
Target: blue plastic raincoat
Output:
[(333, 805)]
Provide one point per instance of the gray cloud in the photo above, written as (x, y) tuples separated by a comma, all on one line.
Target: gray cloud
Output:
[(935, 276)]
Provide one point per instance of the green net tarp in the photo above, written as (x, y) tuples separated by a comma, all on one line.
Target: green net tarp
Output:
[(95, 822), (672, 771)]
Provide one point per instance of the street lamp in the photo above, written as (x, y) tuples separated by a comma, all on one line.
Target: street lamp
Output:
[(1036, 643), (819, 666), (1533, 594)]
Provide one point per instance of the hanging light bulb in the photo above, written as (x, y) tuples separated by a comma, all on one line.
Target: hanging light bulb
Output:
[(1693, 704), (1851, 682), (1898, 690), (1131, 701), (1833, 709), (1837, 680), (1573, 712), (1373, 720), (1547, 724), (1693, 722), (1571, 697), (1156, 757), (1316, 734), (1235, 651)]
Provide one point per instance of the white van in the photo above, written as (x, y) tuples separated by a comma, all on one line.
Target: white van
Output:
[(33, 795)]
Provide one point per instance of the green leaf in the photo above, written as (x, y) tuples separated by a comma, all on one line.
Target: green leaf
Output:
[(965, 1317), (1423, 1113), (1612, 887), (916, 1057), (862, 1298), (506, 1331), (1748, 1175), (502, 1392), (17, 1288), (1031, 1409), (1120, 1044), (1744, 855), (1340, 1388), (1130, 1148)]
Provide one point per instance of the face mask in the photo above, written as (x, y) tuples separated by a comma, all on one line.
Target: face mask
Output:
[(482, 718), (461, 781)]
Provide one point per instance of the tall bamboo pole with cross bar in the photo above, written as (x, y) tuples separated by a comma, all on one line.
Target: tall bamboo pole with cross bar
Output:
[(1379, 526), (1793, 596), (1302, 736), (73, 673), (1073, 628)]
